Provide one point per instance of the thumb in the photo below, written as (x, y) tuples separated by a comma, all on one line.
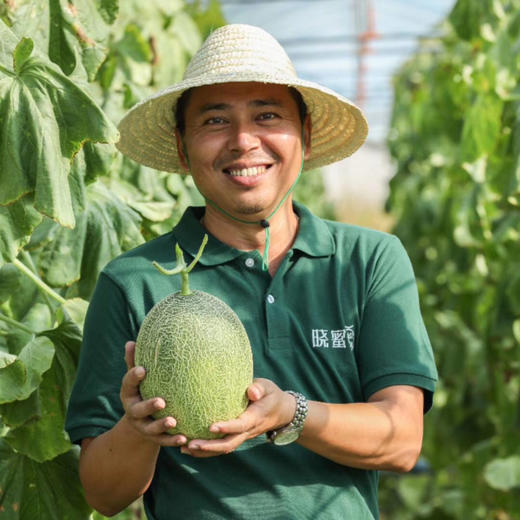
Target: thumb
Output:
[(256, 391)]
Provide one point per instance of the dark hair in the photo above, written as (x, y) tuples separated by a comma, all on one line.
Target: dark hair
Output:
[(179, 111)]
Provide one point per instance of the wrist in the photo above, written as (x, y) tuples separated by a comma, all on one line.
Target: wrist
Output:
[(292, 430)]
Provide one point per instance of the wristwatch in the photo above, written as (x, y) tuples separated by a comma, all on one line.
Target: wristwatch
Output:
[(291, 432)]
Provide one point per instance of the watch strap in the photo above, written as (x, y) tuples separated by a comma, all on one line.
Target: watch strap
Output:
[(296, 425)]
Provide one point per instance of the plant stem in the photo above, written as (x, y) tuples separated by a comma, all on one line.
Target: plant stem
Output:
[(30, 263), (16, 324), (40, 283), (181, 267)]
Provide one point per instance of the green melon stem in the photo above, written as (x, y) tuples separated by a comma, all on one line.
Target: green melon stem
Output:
[(182, 268)]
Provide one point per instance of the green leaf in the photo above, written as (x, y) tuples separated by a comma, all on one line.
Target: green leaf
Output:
[(468, 17), (40, 133), (44, 438), (9, 43), (77, 310), (17, 221), (106, 229), (134, 45), (98, 158), (22, 52), (9, 281), (481, 126), (78, 30), (61, 49), (516, 330), (20, 378), (17, 413), (209, 19), (50, 491), (108, 9), (503, 474), (7, 359)]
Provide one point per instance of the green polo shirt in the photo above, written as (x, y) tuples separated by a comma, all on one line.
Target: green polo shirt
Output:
[(339, 321)]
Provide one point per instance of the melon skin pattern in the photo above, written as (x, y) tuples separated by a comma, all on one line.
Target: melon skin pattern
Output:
[(198, 358)]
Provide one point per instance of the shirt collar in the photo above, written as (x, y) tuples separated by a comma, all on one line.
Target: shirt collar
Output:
[(189, 232), (314, 237)]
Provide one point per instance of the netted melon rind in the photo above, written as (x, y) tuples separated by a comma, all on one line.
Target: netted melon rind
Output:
[(198, 358)]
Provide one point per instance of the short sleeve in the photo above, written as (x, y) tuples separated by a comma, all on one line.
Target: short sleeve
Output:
[(393, 346), (95, 406)]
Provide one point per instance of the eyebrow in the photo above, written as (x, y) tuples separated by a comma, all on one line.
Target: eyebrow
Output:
[(254, 103)]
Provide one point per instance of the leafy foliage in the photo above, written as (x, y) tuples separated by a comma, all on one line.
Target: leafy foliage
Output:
[(456, 141), (69, 203)]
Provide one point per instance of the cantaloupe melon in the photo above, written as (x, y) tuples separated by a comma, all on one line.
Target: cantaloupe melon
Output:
[(197, 357)]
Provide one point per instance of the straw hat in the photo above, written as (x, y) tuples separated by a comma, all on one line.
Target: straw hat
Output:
[(241, 53)]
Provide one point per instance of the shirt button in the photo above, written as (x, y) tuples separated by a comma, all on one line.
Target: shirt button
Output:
[(270, 298), (250, 262)]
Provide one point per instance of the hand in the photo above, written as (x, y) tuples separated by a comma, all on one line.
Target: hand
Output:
[(138, 413), (269, 408)]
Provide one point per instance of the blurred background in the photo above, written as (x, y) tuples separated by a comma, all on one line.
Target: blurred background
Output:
[(353, 47), (439, 83)]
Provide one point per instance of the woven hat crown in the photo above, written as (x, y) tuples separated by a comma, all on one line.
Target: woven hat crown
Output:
[(240, 49)]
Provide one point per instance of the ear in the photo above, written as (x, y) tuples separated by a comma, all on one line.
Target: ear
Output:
[(181, 151), (307, 126)]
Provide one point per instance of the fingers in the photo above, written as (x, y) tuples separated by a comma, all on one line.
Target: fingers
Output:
[(255, 391), (130, 385), (139, 412), (130, 354), (139, 415), (211, 448)]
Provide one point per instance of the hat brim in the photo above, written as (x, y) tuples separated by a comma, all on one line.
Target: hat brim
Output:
[(148, 130)]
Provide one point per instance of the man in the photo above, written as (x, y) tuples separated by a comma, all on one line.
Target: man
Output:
[(331, 310)]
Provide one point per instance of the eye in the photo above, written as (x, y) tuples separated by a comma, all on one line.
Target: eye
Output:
[(268, 116), (216, 120)]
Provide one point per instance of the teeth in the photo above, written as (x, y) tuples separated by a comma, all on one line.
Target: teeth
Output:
[(248, 172)]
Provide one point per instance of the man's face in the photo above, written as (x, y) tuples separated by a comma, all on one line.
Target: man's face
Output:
[(243, 145)]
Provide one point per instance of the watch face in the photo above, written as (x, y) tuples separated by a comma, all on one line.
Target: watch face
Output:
[(286, 437)]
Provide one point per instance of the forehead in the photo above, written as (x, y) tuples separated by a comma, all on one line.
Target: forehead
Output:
[(237, 94)]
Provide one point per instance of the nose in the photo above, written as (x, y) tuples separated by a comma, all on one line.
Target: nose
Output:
[(242, 138)]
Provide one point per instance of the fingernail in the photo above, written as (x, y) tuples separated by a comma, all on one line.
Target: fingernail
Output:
[(214, 428), (139, 371), (195, 446)]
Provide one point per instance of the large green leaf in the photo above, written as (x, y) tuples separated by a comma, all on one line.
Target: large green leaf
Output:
[(40, 132), (107, 228), (41, 435), (50, 491), (73, 34)]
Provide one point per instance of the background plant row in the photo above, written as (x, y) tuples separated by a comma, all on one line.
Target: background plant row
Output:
[(455, 139)]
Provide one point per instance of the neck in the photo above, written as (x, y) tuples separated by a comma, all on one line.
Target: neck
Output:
[(248, 237)]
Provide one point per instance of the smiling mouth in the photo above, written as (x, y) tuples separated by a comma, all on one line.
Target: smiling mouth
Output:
[(247, 172)]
